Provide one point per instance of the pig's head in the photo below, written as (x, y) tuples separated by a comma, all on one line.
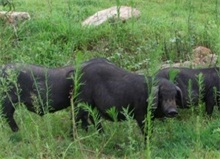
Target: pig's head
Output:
[(166, 94)]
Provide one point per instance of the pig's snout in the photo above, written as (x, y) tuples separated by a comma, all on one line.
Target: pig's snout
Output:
[(172, 112), (169, 108)]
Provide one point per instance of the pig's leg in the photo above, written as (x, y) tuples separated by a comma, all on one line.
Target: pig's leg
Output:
[(8, 112)]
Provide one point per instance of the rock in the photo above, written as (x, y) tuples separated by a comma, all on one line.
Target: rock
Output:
[(202, 57), (210, 60), (14, 17), (122, 12), (179, 64), (201, 52)]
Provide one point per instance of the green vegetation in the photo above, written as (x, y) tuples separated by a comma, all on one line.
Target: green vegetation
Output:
[(166, 30)]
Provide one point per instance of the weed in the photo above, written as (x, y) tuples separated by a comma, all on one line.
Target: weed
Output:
[(166, 30)]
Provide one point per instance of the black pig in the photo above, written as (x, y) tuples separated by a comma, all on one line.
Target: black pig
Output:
[(210, 86), (51, 88), (104, 86)]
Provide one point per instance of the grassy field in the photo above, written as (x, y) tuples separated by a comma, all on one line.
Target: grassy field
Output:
[(166, 30)]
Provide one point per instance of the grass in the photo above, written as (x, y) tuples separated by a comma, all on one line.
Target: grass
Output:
[(166, 30)]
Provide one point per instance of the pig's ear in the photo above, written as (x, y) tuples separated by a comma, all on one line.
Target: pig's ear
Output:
[(70, 74), (180, 96)]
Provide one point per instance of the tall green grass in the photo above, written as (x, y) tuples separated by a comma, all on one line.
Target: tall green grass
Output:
[(166, 30)]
